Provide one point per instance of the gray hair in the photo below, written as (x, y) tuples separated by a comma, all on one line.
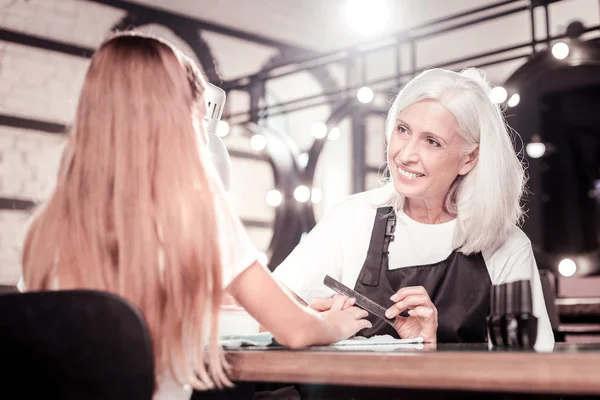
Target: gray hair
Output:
[(486, 201)]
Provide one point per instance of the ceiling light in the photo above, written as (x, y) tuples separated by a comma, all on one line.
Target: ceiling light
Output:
[(498, 95), (302, 194), (367, 17), (535, 149), (514, 100), (560, 50), (365, 95), (258, 142), (274, 198), (319, 130), (567, 267), (334, 133)]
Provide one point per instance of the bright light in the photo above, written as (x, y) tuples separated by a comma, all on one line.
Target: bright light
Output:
[(319, 130), (367, 17), (365, 95), (560, 50), (222, 129), (262, 258), (498, 95), (274, 198), (535, 149), (334, 133), (258, 142), (302, 194), (316, 195), (303, 159), (567, 267), (514, 100)]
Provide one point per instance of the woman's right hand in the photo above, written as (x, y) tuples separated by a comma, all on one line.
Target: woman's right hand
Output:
[(343, 318)]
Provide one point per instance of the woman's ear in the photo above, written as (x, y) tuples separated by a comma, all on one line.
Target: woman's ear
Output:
[(469, 161)]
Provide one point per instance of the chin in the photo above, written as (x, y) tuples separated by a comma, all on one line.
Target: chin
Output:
[(406, 190)]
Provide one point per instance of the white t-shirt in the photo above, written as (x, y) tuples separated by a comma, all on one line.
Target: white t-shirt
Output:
[(338, 244)]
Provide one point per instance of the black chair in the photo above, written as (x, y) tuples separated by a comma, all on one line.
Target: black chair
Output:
[(73, 345)]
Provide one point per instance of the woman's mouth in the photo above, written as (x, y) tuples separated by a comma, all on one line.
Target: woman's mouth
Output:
[(408, 174)]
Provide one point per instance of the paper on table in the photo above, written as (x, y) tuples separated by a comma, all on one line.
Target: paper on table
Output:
[(377, 340), (379, 343)]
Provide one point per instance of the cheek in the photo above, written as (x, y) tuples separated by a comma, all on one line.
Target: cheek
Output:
[(443, 167), (393, 147)]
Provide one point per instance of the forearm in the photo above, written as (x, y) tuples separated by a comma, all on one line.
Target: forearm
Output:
[(277, 310), (290, 293)]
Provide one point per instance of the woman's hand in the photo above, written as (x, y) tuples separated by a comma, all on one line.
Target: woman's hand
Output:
[(324, 304), (422, 320), (344, 319)]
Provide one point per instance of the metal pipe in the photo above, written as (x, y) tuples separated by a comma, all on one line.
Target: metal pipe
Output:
[(309, 62), (547, 18), (378, 81), (532, 19), (446, 64)]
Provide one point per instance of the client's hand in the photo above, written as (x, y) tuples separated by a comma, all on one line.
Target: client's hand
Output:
[(344, 319), (422, 317), (323, 304)]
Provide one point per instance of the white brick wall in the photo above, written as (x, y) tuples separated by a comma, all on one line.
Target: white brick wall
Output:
[(28, 164), (72, 21), (13, 226)]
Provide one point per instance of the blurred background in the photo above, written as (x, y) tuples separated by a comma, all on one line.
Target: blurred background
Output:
[(308, 87)]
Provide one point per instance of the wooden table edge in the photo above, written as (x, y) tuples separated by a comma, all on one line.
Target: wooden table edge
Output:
[(548, 373)]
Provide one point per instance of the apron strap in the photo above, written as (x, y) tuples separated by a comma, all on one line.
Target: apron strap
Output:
[(377, 255)]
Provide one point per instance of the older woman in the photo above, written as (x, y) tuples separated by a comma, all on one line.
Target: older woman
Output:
[(430, 244)]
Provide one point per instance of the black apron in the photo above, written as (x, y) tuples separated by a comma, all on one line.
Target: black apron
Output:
[(458, 286)]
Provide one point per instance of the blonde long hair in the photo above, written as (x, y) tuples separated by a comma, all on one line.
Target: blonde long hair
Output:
[(133, 211)]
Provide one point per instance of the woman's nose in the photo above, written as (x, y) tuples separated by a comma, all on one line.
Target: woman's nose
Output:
[(408, 153)]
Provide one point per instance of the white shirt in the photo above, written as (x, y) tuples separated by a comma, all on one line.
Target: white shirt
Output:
[(338, 244)]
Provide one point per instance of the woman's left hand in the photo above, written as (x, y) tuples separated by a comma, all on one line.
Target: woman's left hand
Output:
[(422, 320)]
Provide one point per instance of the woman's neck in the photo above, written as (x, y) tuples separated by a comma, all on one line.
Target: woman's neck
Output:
[(426, 212)]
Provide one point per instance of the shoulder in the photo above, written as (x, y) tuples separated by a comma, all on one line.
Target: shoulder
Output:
[(511, 259), (514, 242), (356, 205)]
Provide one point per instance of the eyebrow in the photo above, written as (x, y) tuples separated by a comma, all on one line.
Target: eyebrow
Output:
[(441, 139)]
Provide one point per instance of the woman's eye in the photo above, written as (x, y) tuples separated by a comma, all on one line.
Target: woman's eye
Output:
[(402, 129), (433, 142)]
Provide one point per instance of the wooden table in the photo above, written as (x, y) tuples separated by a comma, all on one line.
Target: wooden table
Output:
[(570, 369)]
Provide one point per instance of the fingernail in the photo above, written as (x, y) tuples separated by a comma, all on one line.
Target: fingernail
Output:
[(394, 297), (388, 314)]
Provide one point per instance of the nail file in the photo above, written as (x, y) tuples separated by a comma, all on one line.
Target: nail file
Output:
[(361, 301)]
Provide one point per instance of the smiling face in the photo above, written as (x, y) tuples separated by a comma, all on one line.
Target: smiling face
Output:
[(425, 152)]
